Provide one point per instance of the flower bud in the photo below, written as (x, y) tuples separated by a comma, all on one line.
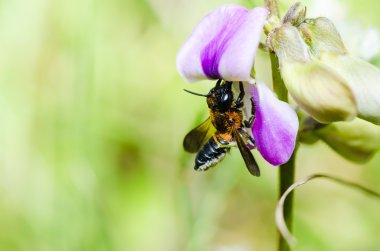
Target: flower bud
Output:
[(356, 140), (288, 45), (321, 35), (361, 77), (296, 15), (316, 88)]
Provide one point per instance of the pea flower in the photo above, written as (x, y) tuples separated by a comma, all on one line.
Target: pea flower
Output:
[(223, 46)]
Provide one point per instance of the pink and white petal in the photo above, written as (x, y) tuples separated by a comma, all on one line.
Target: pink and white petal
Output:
[(275, 127), (219, 46), (238, 58)]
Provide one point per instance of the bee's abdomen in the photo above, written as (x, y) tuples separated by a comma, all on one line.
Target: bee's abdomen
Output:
[(210, 155)]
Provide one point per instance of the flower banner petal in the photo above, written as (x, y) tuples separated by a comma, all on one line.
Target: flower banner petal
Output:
[(275, 127), (223, 45)]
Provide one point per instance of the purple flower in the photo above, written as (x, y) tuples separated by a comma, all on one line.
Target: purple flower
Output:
[(223, 46)]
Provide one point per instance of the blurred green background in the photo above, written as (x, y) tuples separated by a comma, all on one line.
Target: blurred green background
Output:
[(93, 117)]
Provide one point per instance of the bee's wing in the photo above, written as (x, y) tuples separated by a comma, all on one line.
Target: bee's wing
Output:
[(197, 137), (249, 160)]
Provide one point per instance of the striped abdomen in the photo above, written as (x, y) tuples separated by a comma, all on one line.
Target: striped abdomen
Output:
[(210, 155)]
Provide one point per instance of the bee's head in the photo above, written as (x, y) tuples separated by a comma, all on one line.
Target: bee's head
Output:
[(220, 97)]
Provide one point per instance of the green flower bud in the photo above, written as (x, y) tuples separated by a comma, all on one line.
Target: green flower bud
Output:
[(324, 79), (361, 77), (316, 88), (322, 37), (357, 140), (296, 15), (288, 44)]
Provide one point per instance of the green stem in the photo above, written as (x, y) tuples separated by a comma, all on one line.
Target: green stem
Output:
[(278, 84), (287, 170), (286, 179)]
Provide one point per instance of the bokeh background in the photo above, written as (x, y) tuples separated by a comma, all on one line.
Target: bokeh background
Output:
[(92, 121)]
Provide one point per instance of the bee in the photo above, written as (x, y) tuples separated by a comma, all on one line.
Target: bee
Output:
[(223, 129)]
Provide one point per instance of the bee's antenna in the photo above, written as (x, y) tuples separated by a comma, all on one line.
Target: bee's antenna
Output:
[(197, 94)]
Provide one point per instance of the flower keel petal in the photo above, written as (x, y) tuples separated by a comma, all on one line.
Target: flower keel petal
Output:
[(275, 127)]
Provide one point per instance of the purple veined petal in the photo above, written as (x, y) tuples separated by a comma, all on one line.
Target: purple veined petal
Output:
[(275, 127), (223, 45)]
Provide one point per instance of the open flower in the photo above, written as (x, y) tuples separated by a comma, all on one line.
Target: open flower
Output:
[(223, 46)]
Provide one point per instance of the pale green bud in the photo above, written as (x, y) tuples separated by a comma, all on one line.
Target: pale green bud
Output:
[(316, 88), (360, 78), (271, 23), (327, 83), (356, 140), (322, 37), (296, 15), (288, 45)]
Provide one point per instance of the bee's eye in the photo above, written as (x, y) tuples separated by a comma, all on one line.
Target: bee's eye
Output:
[(226, 99)]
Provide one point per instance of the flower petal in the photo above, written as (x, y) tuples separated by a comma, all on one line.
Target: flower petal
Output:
[(363, 79), (318, 90), (275, 127), (223, 45)]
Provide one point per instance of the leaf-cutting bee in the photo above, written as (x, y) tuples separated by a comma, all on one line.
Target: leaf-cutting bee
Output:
[(224, 128)]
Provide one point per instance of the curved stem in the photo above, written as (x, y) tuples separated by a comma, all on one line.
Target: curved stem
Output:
[(281, 224), (287, 170)]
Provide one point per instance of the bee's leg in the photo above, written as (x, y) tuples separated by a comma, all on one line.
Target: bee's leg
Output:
[(250, 141), (253, 109), (239, 101), (249, 123), (218, 83), (222, 142)]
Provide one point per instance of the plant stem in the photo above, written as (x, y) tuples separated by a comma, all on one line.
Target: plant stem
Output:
[(278, 84), (286, 179), (287, 170)]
